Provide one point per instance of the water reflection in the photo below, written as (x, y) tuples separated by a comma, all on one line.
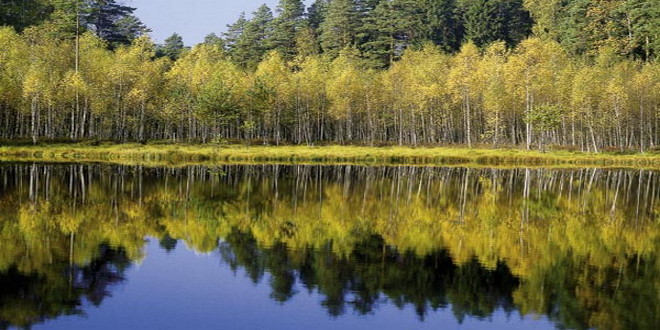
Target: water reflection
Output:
[(373, 274), (58, 287), (578, 246)]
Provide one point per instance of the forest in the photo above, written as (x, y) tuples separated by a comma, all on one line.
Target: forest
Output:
[(573, 74)]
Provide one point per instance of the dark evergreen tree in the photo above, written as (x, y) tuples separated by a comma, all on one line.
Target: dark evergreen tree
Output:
[(340, 26), (212, 39), (365, 7), (644, 17), (571, 26), (480, 21), (233, 34), (485, 21), (515, 21), (112, 21), (129, 28), (23, 13), (443, 27), (173, 47), (390, 29), (378, 36), (286, 26), (253, 42), (316, 13), (367, 16), (248, 40)]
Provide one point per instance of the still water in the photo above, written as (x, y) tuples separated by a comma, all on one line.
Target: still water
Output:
[(89, 246)]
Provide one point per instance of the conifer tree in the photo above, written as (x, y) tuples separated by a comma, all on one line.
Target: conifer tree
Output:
[(316, 13), (286, 26), (233, 34), (112, 21), (485, 21), (339, 28), (443, 27), (644, 17), (255, 39), (479, 21), (212, 39), (173, 47), (392, 27), (24, 13)]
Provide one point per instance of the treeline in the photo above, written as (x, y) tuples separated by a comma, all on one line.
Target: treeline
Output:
[(382, 29), (66, 19), (305, 80), (533, 95)]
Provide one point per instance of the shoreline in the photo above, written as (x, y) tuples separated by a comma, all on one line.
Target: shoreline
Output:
[(173, 154)]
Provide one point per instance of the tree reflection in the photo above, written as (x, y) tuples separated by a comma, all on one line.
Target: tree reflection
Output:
[(374, 273), (30, 298), (576, 245)]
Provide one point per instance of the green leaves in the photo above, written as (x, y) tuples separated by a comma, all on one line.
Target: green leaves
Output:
[(545, 117)]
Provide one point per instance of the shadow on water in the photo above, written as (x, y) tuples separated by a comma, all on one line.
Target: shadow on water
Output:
[(578, 246)]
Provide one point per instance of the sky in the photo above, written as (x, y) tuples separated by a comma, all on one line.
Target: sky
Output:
[(192, 19)]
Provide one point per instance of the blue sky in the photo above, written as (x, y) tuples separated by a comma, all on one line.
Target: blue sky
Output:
[(193, 19)]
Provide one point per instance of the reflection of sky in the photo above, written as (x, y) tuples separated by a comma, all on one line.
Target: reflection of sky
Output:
[(185, 290), (193, 19)]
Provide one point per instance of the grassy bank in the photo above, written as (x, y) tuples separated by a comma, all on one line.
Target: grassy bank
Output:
[(210, 154)]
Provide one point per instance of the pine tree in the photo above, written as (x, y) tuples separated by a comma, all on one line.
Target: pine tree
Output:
[(479, 21), (112, 22), (571, 26), (515, 21), (485, 21), (127, 29), (390, 29), (316, 13), (378, 35), (286, 26), (644, 17), (173, 47), (212, 39), (233, 34), (23, 13), (340, 26), (254, 41), (443, 27)]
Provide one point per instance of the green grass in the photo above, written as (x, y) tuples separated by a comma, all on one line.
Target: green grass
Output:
[(181, 154)]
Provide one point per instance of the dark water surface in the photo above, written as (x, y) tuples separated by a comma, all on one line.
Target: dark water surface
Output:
[(90, 246)]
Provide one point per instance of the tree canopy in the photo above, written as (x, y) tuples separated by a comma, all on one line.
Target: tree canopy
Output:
[(566, 74)]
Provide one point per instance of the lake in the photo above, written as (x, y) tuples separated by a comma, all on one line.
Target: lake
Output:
[(100, 246)]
